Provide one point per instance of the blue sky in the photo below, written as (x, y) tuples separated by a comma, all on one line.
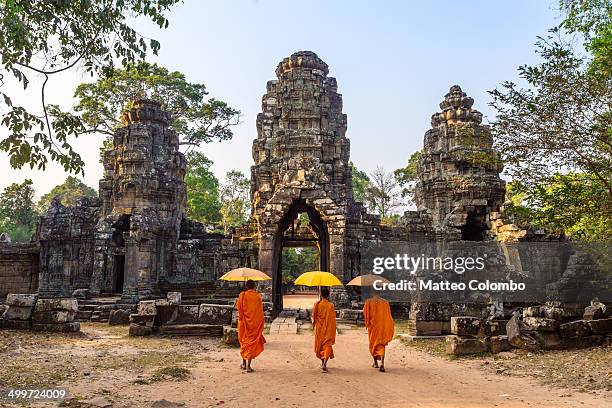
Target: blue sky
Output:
[(394, 61)]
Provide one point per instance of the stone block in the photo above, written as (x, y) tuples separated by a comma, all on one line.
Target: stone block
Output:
[(492, 328), (582, 342), (59, 304), (138, 330), (548, 312), (593, 312), (600, 326), (62, 328), (18, 313), (578, 328), (464, 325), (549, 340), (215, 314), (21, 300), (499, 344), (81, 294), (15, 324), (230, 336), (182, 314), (53, 317), (541, 324), (147, 307), (142, 320), (520, 336), (118, 317), (174, 298), (458, 345), (208, 330)]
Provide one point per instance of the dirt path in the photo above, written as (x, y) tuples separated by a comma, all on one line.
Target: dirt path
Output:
[(287, 375)]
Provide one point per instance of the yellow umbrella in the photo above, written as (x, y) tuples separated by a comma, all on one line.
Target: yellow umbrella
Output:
[(245, 274), (317, 278), (367, 280)]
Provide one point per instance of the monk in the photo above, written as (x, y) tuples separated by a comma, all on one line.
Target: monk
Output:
[(378, 321), (324, 322), (250, 325)]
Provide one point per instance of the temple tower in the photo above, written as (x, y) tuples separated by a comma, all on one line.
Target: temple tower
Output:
[(142, 198), (301, 157), (459, 183)]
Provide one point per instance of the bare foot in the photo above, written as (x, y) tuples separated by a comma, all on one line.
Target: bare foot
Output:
[(242, 366), (375, 365), (382, 369), (324, 370), (249, 370)]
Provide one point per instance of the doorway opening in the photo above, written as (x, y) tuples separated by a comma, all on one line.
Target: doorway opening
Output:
[(302, 245), (121, 230), (474, 229)]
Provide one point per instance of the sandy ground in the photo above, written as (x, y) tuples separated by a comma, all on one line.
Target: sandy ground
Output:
[(106, 364), (300, 301)]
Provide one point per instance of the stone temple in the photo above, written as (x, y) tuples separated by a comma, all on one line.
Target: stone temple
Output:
[(135, 240)]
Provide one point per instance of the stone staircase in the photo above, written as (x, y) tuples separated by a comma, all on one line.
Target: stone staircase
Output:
[(98, 309)]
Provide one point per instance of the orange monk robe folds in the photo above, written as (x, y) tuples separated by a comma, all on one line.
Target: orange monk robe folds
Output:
[(378, 321), (250, 324), (324, 321)]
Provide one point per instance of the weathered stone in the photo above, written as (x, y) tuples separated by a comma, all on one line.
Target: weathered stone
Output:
[(594, 312), (143, 320), (600, 326), (2, 309), (16, 324), (548, 312), (230, 336), (578, 328), (53, 317), (174, 298), (182, 314), (21, 300), (18, 313), (48, 305), (499, 344), (81, 294), (61, 327), (118, 317), (465, 325), (520, 336), (208, 330), (582, 342), (492, 328), (138, 330), (464, 345), (549, 340), (147, 307), (215, 314), (541, 323)]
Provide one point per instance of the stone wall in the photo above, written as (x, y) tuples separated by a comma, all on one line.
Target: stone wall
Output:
[(19, 268)]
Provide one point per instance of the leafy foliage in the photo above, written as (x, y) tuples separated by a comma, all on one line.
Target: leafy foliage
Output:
[(50, 37), (203, 197), (17, 214), (69, 191), (407, 176), (296, 261), (360, 182), (235, 200), (195, 118)]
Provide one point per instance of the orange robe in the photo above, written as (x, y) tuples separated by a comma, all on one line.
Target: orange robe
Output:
[(250, 324), (324, 322), (378, 321)]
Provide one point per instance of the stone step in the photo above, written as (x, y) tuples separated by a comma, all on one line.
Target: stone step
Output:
[(208, 330)]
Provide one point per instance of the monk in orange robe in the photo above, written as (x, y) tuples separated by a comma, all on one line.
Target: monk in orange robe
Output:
[(378, 321), (250, 325), (324, 322)]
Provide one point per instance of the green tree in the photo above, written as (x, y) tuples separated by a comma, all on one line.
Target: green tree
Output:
[(203, 200), (296, 261), (235, 200), (46, 38), (17, 214), (69, 191), (407, 176), (196, 118), (593, 20), (382, 193), (360, 182)]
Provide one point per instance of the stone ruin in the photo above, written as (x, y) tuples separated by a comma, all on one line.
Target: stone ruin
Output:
[(135, 240)]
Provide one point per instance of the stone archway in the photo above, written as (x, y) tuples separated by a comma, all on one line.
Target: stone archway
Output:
[(281, 210)]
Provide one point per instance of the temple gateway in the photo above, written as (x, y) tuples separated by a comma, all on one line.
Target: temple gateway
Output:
[(136, 241)]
